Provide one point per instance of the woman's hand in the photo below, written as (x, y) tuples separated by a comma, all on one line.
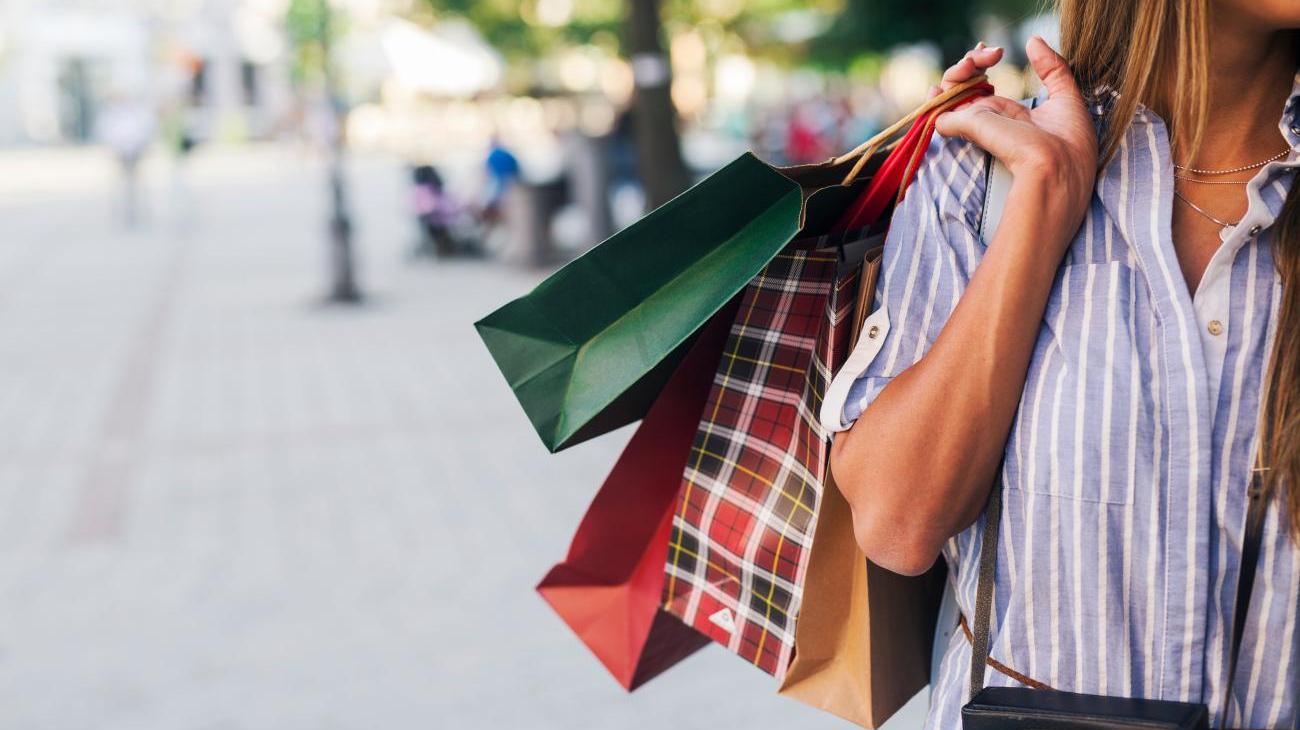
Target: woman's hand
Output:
[(909, 486), (1053, 145)]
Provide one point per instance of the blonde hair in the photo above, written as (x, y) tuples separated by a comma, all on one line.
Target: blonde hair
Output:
[(1167, 48), (1157, 53)]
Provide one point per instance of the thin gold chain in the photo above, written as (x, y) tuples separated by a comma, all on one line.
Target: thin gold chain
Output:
[(1211, 182), (1204, 212)]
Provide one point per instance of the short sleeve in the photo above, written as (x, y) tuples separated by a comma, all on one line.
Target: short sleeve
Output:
[(931, 250)]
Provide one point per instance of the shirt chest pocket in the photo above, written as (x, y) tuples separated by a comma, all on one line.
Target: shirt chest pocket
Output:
[(1078, 419)]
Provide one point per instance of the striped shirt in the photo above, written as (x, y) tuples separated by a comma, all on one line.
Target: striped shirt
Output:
[(1128, 462)]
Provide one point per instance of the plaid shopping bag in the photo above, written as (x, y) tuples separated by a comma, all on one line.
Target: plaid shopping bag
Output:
[(752, 486)]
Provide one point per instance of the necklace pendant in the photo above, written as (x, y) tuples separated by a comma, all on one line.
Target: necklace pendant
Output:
[(1226, 232)]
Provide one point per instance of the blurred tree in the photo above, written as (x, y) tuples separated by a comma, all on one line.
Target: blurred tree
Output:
[(878, 25), (829, 32), (308, 25), (659, 155), (1017, 9), (312, 29), (531, 28)]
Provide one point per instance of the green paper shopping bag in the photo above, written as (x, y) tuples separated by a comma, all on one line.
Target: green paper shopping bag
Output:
[(588, 350)]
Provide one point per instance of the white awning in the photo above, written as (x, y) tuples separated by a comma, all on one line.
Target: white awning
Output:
[(450, 60)]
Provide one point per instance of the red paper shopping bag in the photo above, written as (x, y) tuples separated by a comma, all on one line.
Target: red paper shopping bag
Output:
[(608, 587)]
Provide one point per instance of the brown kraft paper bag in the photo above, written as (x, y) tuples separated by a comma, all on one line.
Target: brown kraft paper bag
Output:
[(864, 636)]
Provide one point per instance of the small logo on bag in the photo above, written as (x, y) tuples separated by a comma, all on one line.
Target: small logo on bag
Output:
[(723, 620)]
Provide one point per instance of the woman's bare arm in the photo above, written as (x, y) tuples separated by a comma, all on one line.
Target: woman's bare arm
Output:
[(917, 466)]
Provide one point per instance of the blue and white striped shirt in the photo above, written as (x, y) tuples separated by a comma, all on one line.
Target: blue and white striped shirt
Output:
[(1129, 458)]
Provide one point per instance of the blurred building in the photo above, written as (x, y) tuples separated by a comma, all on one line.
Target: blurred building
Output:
[(217, 67)]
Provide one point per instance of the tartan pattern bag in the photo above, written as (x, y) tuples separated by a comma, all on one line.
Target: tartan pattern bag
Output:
[(752, 486)]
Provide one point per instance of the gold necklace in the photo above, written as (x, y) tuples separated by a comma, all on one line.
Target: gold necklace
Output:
[(1243, 168), (1211, 182), (1204, 212)]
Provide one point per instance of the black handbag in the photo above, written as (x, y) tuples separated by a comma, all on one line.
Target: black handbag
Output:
[(1005, 708)]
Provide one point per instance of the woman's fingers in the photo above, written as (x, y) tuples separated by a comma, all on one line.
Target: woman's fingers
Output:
[(1052, 69), (1002, 105), (994, 123), (974, 63)]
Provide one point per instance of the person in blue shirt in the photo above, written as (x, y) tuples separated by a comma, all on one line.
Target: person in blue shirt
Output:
[(503, 172)]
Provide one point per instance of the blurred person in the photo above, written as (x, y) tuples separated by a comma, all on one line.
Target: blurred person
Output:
[(322, 126), (768, 136), (803, 139), (627, 197), (852, 126), (503, 171), (436, 213), (866, 116), (502, 175), (182, 138), (126, 127), (622, 150), (1120, 362)]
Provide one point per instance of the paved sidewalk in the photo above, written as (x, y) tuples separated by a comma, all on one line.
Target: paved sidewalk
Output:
[(224, 506)]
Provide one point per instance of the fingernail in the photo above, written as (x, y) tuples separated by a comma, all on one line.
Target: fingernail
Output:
[(993, 48), (979, 45)]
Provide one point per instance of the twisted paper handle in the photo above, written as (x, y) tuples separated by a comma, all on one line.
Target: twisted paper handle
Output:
[(977, 86)]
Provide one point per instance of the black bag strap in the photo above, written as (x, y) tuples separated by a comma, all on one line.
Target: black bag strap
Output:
[(1250, 550), (984, 589), (997, 182), (1256, 509)]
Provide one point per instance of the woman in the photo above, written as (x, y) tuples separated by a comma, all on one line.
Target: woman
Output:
[(1102, 360)]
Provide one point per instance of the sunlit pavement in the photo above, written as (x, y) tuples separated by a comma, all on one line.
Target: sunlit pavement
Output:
[(224, 505)]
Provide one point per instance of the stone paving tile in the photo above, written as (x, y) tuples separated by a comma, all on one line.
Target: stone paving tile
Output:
[(224, 506)]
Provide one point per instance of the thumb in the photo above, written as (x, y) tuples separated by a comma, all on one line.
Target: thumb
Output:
[(1052, 69)]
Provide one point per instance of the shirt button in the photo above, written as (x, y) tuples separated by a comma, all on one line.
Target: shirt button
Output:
[(873, 332), (1215, 327), (1254, 230), (1295, 129)]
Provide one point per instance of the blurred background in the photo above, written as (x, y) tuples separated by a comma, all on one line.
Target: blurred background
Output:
[(256, 470)]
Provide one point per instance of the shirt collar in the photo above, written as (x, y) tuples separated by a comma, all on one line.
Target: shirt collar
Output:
[(1262, 211), (1102, 99), (1290, 122)]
